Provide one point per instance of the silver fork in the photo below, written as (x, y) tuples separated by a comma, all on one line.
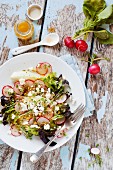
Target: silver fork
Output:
[(70, 122)]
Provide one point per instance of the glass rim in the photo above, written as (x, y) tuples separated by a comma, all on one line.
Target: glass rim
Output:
[(23, 33)]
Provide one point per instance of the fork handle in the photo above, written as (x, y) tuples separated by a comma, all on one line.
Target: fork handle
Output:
[(35, 157)]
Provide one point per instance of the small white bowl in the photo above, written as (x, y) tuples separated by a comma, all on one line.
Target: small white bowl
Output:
[(34, 12)]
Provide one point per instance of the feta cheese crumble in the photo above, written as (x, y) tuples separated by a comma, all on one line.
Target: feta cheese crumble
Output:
[(56, 108), (22, 81), (13, 116), (46, 126), (23, 107), (42, 90), (35, 111), (34, 126), (25, 122), (41, 108), (31, 93), (48, 95), (10, 90)]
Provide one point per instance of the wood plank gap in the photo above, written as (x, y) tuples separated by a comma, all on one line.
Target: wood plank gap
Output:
[(91, 52), (44, 12), (78, 132), (75, 149), (19, 160)]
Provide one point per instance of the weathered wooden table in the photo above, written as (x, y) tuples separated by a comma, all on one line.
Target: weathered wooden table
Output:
[(64, 17)]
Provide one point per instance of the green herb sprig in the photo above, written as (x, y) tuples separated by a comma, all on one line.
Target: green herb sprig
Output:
[(97, 13)]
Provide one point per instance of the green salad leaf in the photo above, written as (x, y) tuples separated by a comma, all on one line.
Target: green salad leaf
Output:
[(92, 7)]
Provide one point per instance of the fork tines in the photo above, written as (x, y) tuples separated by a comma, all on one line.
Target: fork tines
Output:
[(77, 113)]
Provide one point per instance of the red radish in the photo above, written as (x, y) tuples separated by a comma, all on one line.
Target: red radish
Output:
[(39, 82), (49, 113), (81, 45), (62, 98), (41, 69), (69, 42), (18, 88), (94, 69), (42, 120), (14, 131), (49, 67), (6, 90), (30, 121), (95, 151), (29, 83), (37, 117), (60, 121)]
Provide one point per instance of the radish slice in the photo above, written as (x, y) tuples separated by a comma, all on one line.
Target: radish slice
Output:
[(18, 97), (41, 69), (7, 90), (17, 107), (30, 121), (48, 66), (49, 113), (29, 83), (95, 151), (18, 88), (62, 98), (14, 131), (39, 82), (42, 120), (60, 121)]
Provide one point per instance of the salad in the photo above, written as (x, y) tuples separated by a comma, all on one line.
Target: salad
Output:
[(36, 106)]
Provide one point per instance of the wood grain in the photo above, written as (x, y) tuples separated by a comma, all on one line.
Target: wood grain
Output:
[(98, 129), (64, 25)]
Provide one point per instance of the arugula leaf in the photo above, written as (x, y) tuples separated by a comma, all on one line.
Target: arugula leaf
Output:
[(57, 116)]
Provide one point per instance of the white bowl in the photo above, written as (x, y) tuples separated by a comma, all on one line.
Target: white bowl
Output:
[(34, 12)]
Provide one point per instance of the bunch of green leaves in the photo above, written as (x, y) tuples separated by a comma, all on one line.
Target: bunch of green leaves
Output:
[(96, 14)]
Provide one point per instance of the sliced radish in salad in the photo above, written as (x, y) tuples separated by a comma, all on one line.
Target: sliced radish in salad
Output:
[(18, 88), (49, 67), (62, 98), (7, 90), (30, 121), (60, 121), (17, 107), (18, 97), (49, 113), (41, 69), (39, 82), (29, 83), (14, 131), (42, 120)]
